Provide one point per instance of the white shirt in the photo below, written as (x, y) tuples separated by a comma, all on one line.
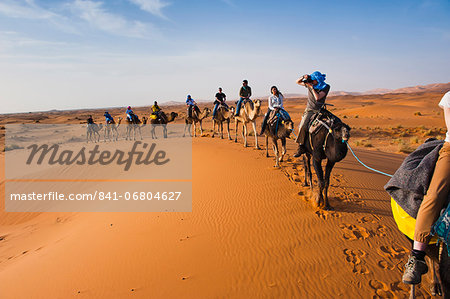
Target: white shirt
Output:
[(275, 102), (445, 103)]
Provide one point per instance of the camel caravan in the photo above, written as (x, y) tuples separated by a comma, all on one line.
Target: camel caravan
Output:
[(321, 136)]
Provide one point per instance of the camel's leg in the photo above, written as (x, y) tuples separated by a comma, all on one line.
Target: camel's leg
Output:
[(328, 169), (235, 129), (275, 151), (201, 129), (140, 133), (221, 130), (228, 129), (319, 172), (283, 148), (214, 128), (308, 173), (165, 130), (256, 135), (244, 133), (267, 146)]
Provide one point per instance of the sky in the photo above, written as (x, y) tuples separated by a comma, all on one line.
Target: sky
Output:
[(75, 54)]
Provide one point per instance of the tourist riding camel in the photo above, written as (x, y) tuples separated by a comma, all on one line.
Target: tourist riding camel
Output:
[(111, 128), (156, 111), (219, 102), (92, 130), (192, 106), (223, 114), (277, 124), (163, 120), (248, 114), (317, 94), (196, 117), (275, 106), (244, 95)]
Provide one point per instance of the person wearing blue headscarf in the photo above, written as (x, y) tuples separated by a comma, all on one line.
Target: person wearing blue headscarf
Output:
[(317, 93)]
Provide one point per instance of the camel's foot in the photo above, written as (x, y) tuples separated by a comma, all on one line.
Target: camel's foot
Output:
[(280, 159), (184, 135), (267, 155), (229, 138), (221, 137), (212, 136), (305, 184), (235, 140), (436, 289), (257, 147)]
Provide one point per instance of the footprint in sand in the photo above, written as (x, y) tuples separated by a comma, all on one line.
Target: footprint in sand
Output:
[(381, 289), (327, 214), (388, 265), (392, 252), (381, 231), (356, 260), (354, 232)]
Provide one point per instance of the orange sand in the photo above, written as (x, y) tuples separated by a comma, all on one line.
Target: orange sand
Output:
[(252, 232)]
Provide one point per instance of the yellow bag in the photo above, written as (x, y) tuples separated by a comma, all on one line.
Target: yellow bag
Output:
[(406, 224)]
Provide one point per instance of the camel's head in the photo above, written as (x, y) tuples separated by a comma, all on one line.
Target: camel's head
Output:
[(173, 115), (144, 120), (207, 111), (288, 124), (341, 132), (257, 103)]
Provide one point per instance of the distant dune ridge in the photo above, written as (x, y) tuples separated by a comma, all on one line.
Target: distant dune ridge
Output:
[(435, 87)]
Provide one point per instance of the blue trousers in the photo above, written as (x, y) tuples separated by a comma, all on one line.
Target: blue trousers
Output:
[(238, 106)]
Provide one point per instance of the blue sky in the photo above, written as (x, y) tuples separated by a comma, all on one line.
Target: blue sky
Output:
[(92, 53)]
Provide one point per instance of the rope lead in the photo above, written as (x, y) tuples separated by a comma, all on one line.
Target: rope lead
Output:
[(370, 168)]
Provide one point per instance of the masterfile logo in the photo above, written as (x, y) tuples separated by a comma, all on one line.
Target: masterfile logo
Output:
[(56, 168)]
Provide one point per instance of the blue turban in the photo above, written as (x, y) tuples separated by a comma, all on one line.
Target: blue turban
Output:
[(320, 78)]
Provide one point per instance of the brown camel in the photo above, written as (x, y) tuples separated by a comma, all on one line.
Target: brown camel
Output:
[(135, 125), (92, 132), (196, 118), (249, 112), (223, 115), (162, 121), (111, 130), (278, 129)]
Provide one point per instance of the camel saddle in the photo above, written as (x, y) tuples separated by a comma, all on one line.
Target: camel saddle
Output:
[(323, 118)]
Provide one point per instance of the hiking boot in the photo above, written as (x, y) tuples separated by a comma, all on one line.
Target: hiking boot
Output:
[(300, 150), (414, 269)]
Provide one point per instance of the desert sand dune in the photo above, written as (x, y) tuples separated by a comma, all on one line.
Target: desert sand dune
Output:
[(252, 232)]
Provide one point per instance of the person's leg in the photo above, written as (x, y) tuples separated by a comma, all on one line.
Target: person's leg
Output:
[(190, 111), (429, 210), (238, 106), (302, 132), (215, 110), (264, 123)]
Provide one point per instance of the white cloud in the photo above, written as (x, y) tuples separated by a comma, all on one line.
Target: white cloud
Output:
[(94, 13), (26, 9), (152, 6)]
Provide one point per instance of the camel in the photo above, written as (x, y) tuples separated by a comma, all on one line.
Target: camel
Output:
[(196, 118), (135, 125), (92, 132), (111, 130), (223, 115), (163, 120), (249, 112), (330, 144), (279, 129)]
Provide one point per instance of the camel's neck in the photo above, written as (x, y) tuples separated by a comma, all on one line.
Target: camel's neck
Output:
[(253, 113), (203, 114)]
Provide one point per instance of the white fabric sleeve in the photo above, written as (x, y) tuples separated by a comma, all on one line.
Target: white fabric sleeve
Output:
[(445, 101)]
